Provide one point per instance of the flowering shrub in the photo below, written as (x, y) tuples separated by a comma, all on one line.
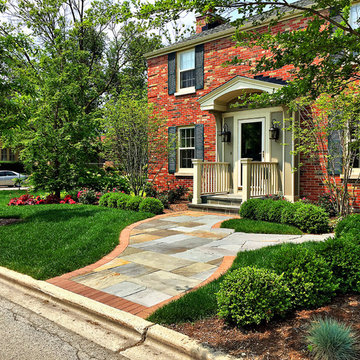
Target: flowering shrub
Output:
[(68, 200), (88, 196), (28, 199)]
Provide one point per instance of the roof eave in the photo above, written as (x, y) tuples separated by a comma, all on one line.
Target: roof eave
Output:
[(218, 35)]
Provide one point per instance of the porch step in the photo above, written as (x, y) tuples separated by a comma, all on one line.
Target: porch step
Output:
[(225, 199), (224, 209)]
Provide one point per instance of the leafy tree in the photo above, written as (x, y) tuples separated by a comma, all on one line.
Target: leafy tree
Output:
[(134, 139), (328, 135), (67, 57)]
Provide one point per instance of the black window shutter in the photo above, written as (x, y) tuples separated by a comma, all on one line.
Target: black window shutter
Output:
[(199, 141), (335, 153), (172, 73), (199, 66), (172, 149)]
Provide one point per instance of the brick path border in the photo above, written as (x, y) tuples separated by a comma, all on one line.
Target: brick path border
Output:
[(117, 302)]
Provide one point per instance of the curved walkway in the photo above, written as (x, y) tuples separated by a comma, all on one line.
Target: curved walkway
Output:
[(161, 258)]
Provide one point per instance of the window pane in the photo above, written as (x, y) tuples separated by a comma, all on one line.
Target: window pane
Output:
[(354, 16), (185, 158), (187, 79), (3, 154), (187, 60)]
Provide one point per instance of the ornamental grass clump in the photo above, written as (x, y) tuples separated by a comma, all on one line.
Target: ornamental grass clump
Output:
[(249, 296), (329, 339)]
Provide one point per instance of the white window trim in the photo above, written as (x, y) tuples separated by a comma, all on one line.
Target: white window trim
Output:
[(184, 171), (187, 90)]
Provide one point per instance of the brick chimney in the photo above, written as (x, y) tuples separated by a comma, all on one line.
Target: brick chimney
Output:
[(207, 21)]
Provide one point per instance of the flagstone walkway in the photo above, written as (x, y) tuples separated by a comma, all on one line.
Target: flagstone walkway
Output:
[(159, 259)]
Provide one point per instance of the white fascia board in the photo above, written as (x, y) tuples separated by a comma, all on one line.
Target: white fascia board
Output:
[(210, 101)]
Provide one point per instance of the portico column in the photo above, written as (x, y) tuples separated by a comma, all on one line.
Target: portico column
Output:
[(246, 178), (197, 181)]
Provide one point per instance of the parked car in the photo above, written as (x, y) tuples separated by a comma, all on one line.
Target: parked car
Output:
[(7, 177)]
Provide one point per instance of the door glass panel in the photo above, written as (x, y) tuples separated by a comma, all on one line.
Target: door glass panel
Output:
[(251, 140)]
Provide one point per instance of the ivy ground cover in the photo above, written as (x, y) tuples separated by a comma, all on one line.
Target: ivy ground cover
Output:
[(51, 240)]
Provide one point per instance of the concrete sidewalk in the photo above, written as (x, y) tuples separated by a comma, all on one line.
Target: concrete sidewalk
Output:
[(161, 258)]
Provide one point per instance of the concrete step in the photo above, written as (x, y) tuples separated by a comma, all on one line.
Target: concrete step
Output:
[(224, 209), (223, 199)]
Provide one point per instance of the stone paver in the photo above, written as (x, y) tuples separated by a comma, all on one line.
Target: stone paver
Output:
[(167, 256)]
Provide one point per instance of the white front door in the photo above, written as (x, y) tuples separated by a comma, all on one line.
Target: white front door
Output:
[(251, 141)]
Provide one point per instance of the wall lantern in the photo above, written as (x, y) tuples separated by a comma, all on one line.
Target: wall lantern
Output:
[(274, 132), (225, 133)]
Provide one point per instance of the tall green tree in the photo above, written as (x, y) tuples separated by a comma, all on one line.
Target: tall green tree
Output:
[(68, 57), (134, 139)]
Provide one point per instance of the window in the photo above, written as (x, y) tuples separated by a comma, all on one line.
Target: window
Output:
[(186, 147), (4, 155), (186, 69), (354, 16)]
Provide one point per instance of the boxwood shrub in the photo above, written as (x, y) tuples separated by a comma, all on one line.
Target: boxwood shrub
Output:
[(134, 202), (250, 296), (122, 201), (103, 201), (247, 209), (343, 256), (349, 226), (308, 276), (307, 217), (152, 205), (112, 201), (311, 219)]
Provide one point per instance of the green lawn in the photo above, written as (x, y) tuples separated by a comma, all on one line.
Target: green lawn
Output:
[(201, 303), (260, 227), (54, 239)]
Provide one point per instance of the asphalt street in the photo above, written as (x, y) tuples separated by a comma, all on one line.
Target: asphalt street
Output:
[(25, 335)]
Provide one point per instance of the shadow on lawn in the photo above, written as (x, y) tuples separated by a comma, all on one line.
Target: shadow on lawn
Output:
[(61, 215)]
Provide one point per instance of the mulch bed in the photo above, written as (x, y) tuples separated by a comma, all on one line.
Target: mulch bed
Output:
[(4, 221), (178, 206), (279, 340)]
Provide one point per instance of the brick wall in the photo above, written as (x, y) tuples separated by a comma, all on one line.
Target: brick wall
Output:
[(185, 110)]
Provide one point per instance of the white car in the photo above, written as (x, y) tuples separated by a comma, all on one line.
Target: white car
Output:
[(7, 176)]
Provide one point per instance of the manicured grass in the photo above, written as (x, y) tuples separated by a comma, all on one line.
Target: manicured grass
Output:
[(54, 239), (201, 303), (260, 227)]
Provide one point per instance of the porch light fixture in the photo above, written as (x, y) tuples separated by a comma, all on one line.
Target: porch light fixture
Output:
[(274, 132), (225, 133)]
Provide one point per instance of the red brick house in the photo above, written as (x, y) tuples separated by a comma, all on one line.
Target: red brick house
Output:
[(221, 149)]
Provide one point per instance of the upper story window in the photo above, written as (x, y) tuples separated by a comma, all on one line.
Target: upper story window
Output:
[(186, 69), (354, 16)]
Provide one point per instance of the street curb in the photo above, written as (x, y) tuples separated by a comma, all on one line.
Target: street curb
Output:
[(144, 339)]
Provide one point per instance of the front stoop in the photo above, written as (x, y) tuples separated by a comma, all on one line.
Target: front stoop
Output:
[(225, 204)]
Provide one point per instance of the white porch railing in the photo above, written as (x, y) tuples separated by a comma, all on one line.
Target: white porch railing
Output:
[(210, 178), (259, 178)]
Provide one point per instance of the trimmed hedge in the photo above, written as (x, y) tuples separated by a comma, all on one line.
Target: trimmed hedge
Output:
[(307, 217), (343, 256), (250, 296), (308, 276), (134, 203), (349, 227), (152, 205)]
